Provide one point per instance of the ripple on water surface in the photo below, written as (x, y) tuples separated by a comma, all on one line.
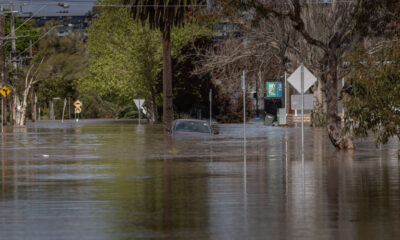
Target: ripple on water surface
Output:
[(118, 180)]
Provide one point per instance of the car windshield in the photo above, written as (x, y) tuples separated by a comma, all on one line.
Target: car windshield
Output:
[(192, 126)]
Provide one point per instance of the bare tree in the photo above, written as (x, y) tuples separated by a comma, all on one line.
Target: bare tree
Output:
[(332, 27), (22, 89), (257, 49)]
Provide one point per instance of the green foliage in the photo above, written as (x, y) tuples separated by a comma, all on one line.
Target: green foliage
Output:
[(191, 92), (25, 34), (125, 56), (64, 60), (96, 107), (372, 97)]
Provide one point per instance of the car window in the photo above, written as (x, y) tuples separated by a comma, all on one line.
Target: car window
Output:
[(189, 126)]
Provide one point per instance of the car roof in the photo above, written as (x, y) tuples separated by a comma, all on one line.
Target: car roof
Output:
[(190, 120)]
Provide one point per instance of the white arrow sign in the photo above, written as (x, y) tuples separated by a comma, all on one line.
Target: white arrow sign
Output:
[(295, 79)]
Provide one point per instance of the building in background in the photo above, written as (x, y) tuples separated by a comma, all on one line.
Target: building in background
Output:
[(72, 14)]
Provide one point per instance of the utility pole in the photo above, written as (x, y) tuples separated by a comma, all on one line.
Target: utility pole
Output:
[(3, 72), (13, 37)]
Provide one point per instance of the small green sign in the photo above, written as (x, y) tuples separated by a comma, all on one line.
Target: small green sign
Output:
[(274, 89)]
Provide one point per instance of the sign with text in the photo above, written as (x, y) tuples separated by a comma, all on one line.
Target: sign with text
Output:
[(274, 89)]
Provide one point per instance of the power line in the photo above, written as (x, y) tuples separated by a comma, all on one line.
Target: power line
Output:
[(108, 5)]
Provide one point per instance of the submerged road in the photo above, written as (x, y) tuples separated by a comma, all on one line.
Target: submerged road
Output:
[(118, 180)]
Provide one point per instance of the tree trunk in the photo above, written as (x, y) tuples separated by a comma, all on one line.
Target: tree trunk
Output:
[(19, 108), (33, 108), (398, 149), (318, 114), (260, 95), (24, 105), (152, 113), (15, 109), (336, 135), (168, 114), (51, 109)]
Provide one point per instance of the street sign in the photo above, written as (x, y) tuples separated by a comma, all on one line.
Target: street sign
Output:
[(139, 103), (295, 79), (78, 108), (308, 102), (274, 89), (5, 91), (302, 79), (77, 103)]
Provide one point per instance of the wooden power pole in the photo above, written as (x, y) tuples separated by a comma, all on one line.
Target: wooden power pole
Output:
[(3, 68)]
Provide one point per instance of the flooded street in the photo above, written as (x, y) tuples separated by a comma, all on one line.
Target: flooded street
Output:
[(118, 180)]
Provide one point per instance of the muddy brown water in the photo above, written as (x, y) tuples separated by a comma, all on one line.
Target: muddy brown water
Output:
[(118, 180)]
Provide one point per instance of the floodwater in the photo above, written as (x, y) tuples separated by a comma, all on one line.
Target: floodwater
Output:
[(117, 180)]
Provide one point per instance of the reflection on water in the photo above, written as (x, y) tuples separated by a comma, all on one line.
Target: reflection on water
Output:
[(118, 180)]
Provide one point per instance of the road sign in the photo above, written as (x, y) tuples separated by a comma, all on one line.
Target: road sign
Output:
[(274, 89), (295, 79), (77, 103), (139, 103), (5, 91), (308, 101), (78, 110), (302, 79)]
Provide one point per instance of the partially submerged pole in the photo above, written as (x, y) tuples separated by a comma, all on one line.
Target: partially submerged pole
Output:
[(210, 98), (139, 111), (302, 108), (286, 96), (65, 104), (244, 103)]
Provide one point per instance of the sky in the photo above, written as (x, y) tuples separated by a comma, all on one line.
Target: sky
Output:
[(50, 7)]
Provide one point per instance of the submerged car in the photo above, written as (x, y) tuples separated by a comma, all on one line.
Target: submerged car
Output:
[(192, 127)]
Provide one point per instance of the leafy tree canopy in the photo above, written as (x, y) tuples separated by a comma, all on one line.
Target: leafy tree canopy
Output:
[(62, 61), (25, 33), (372, 97), (125, 57)]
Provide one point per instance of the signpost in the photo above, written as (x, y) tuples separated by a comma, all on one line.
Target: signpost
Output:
[(302, 79), (65, 104), (139, 104), (78, 109), (210, 98), (3, 91), (244, 104)]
